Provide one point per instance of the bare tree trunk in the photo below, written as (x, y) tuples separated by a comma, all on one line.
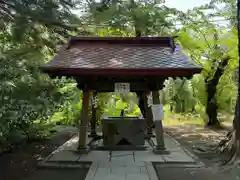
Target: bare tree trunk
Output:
[(232, 144), (236, 119), (237, 126), (171, 107), (211, 108)]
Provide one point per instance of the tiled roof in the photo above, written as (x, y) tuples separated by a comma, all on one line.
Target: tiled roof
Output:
[(119, 56)]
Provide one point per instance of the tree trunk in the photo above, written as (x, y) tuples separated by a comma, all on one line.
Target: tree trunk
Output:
[(211, 108), (232, 144), (183, 108), (178, 108), (193, 109), (171, 107), (237, 120), (212, 113)]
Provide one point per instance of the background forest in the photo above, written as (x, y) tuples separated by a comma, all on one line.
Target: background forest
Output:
[(31, 32)]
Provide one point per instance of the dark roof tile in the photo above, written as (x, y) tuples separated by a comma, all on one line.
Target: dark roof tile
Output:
[(104, 55), (121, 57)]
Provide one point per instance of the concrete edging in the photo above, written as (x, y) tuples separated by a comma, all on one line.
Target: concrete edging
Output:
[(41, 163), (92, 171), (151, 171), (198, 162)]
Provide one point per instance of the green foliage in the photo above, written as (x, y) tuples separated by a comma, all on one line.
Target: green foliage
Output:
[(25, 17), (150, 17), (27, 95), (28, 38), (112, 104), (180, 94)]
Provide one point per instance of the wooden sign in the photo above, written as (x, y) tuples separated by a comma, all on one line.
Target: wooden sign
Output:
[(122, 88), (157, 111)]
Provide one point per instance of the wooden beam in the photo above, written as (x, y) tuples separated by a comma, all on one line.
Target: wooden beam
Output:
[(94, 118), (108, 86), (84, 121), (149, 117), (160, 147)]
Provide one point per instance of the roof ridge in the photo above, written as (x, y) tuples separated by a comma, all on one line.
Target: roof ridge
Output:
[(165, 41)]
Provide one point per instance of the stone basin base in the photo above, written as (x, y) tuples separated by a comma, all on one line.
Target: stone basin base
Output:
[(123, 133)]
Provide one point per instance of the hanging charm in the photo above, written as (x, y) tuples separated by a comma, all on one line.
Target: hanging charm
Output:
[(150, 100), (95, 101)]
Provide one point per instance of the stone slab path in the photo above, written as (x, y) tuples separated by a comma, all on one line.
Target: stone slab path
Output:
[(122, 165)]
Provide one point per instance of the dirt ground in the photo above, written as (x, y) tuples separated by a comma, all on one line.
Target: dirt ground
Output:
[(19, 163), (192, 137)]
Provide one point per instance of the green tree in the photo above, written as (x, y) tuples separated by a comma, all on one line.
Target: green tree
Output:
[(28, 38), (179, 94), (147, 17), (207, 44)]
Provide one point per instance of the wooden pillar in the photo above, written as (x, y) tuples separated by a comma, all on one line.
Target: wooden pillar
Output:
[(140, 95), (94, 118), (149, 117), (84, 121), (160, 147)]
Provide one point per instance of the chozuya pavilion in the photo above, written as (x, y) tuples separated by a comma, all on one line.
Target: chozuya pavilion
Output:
[(122, 64)]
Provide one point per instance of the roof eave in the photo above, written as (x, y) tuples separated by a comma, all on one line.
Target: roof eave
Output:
[(169, 72)]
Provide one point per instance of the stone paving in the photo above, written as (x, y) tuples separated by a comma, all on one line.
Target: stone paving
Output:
[(122, 165)]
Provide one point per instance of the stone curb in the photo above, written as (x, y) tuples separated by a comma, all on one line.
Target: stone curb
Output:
[(56, 165), (152, 174), (176, 165), (198, 162), (92, 171)]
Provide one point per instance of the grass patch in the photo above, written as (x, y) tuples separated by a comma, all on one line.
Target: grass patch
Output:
[(174, 119)]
